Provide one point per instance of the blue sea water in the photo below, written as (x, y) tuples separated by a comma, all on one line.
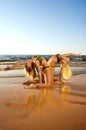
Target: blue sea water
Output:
[(18, 57)]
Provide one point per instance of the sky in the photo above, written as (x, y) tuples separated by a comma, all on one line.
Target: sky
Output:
[(42, 26)]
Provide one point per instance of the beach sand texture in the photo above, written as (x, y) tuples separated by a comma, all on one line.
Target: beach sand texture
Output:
[(42, 109)]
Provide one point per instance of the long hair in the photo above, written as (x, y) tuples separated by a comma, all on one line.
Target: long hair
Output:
[(29, 69)]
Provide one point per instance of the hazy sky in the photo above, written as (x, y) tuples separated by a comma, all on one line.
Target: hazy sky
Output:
[(42, 26)]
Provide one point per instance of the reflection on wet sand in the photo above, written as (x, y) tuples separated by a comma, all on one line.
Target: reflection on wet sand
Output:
[(59, 108), (80, 95), (46, 99)]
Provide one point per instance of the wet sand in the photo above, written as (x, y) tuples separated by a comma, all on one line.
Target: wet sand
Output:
[(42, 109)]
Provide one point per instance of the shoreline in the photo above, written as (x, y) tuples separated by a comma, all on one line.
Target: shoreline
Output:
[(20, 73)]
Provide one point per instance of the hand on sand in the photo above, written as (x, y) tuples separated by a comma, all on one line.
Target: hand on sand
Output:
[(31, 86), (27, 82)]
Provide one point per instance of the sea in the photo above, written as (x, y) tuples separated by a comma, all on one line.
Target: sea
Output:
[(10, 58)]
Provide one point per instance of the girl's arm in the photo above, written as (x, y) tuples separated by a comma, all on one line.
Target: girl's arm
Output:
[(71, 54), (16, 65), (39, 71)]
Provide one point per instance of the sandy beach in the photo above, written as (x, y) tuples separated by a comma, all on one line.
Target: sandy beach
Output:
[(42, 64), (42, 109)]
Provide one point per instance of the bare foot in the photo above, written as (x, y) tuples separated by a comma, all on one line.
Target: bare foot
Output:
[(7, 68), (31, 82)]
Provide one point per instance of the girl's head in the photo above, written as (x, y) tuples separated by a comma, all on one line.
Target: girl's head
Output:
[(29, 66), (29, 70)]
